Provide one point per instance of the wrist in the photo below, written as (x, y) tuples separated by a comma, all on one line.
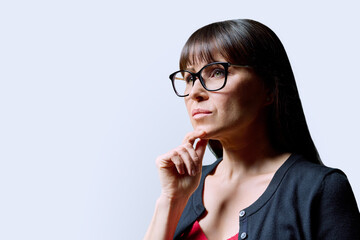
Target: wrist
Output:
[(172, 201)]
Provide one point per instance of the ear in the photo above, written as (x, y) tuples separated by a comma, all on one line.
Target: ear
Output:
[(269, 99)]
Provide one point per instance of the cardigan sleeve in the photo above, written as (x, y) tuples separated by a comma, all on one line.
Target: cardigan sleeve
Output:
[(336, 210)]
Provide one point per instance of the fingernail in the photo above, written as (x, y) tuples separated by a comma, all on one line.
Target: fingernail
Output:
[(193, 172)]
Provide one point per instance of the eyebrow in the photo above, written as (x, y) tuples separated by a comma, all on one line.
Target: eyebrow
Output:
[(192, 69)]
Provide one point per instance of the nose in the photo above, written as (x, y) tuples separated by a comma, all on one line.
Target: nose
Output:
[(198, 92)]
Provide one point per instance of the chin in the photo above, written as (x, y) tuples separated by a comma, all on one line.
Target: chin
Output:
[(211, 132)]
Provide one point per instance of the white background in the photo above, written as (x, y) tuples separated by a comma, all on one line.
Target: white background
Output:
[(86, 104)]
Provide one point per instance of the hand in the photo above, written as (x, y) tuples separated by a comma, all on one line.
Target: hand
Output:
[(180, 169)]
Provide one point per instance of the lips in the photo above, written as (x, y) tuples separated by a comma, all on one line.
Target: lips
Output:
[(199, 111)]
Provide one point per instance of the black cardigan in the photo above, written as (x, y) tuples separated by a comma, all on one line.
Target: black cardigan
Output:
[(303, 201)]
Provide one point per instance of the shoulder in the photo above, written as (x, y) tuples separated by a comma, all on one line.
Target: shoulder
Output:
[(301, 163), (327, 194), (307, 172), (306, 181), (323, 196)]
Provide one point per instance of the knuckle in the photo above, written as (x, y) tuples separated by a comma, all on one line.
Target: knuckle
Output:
[(174, 153), (177, 161), (188, 145), (196, 159), (181, 149), (160, 162), (159, 159), (188, 136)]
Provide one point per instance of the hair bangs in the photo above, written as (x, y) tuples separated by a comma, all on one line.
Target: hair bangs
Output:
[(212, 41), (198, 51)]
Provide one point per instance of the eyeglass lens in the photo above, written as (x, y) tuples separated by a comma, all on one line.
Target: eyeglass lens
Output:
[(212, 76)]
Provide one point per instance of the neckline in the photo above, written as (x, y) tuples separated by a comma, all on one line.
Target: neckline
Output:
[(196, 232), (261, 201)]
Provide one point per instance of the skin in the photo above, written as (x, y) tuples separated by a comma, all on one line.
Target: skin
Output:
[(236, 116)]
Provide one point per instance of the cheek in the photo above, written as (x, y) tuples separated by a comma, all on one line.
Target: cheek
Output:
[(245, 100), (230, 109), (250, 93), (188, 109)]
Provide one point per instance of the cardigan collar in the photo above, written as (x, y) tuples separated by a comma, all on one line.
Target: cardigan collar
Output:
[(195, 206), (198, 204)]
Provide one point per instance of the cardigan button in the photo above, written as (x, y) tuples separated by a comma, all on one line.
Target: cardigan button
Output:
[(242, 213), (243, 235)]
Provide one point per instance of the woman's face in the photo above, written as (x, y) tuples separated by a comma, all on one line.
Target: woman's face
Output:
[(236, 109)]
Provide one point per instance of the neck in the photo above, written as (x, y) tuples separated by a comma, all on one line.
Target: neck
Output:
[(250, 154)]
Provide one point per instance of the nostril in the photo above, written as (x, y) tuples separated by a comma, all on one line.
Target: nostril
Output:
[(200, 98)]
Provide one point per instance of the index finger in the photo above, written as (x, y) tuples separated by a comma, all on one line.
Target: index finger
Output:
[(192, 136)]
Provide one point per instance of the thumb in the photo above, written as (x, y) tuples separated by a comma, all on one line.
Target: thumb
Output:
[(200, 148)]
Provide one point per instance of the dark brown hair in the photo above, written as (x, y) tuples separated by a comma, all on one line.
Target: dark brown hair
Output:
[(247, 42)]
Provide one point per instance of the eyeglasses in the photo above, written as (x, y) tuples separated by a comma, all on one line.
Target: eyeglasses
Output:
[(212, 77)]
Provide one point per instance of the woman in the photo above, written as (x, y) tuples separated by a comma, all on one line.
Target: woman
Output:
[(268, 181)]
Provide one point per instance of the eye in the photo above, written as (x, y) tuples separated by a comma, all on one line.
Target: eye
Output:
[(189, 78), (217, 73), (185, 77)]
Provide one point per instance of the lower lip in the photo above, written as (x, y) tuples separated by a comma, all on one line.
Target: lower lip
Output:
[(200, 115)]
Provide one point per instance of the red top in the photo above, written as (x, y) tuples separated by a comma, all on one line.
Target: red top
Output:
[(197, 234)]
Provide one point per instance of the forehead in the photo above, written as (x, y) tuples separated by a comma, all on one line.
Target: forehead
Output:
[(201, 53), (197, 61)]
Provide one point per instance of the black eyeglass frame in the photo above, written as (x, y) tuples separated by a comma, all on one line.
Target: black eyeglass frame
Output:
[(197, 75)]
